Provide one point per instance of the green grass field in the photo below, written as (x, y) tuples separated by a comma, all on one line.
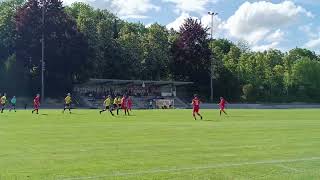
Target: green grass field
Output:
[(249, 144)]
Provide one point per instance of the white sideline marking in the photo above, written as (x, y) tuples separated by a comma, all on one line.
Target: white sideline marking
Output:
[(288, 168), (155, 171)]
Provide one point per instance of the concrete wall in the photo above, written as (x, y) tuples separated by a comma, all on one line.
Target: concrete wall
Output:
[(262, 106)]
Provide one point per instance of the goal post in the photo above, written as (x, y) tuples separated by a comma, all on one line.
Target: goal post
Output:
[(164, 103)]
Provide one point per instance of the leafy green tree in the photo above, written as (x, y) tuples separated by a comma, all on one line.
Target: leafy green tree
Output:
[(306, 79), (191, 55), (156, 49), (7, 27), (8, 67), (131, 40), (226, 68), (65, 48)]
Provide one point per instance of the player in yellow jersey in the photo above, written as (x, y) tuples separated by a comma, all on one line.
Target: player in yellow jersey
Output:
[(67, 103), (3, 102), (108, 105), (117, 103)]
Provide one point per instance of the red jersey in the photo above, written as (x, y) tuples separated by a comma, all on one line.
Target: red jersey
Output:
[(129, 102), (196, 102), (222, 102), (36, 100), (124, 102)]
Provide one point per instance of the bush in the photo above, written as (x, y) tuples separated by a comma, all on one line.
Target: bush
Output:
[(247, 91)]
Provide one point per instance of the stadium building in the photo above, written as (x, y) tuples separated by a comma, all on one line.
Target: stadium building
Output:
[(145, 94)]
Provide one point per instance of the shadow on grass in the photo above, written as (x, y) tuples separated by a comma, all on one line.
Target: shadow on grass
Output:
[(77, 114), (215, 120)]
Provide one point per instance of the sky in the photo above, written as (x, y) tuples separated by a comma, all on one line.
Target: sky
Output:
[(280, 24)]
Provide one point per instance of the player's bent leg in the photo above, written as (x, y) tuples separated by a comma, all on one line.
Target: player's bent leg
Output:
[(194, 115), (199, 115), (224, 112), (111, 112)]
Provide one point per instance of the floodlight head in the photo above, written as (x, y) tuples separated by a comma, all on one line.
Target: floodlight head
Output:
[(212, 13)]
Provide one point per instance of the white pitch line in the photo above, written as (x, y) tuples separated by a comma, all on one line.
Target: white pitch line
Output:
[(288, 168), (155, 171)]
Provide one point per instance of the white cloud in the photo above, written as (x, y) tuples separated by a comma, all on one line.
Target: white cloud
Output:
[(134, 9), (178, 22), (206, 21), (314, 37), (309, 31), (265, 46), (313, 44), (276, 36), (218, 30), (184, 6), (259, 21), (135, 16)]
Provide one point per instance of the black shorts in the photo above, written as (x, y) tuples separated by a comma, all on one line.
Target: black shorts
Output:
[(3, 105), (107, 107), (67, 105), (115, 106)]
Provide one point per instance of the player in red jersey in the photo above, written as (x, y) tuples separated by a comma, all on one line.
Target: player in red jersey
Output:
[(222, 105), (129, 103), (36, 104), (196, 107), (124, 105)]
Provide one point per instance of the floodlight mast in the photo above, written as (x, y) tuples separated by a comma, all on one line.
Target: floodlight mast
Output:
[(42, 51), (212, 14)]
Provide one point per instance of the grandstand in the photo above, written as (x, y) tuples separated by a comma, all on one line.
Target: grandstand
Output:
[(91, 93)]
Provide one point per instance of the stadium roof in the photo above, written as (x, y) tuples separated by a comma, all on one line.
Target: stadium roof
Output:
[(136, 82)]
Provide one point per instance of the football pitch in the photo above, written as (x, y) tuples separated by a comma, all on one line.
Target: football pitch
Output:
[(160, 144)]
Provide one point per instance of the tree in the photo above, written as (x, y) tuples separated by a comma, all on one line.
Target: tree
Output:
[(65, 50), (226, 68), (7, 27), (191, 55), (8, 66), (156, 53), (131, 41), (306, 79), (97, 26)]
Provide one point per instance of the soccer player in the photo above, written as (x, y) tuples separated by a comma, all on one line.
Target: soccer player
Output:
[(124, 105), (119, 103), (196, 107), (129, 103), (36, 104), (116, 103), (3, 102), (222, 105), (107, 104), (13, 102), (67, 104)]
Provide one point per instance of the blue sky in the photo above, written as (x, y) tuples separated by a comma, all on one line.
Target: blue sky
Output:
[(281, 24)]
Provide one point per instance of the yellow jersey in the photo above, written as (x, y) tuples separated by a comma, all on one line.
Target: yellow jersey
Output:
[(117, 101), (107, 102), (68, 100), (3, 99)]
